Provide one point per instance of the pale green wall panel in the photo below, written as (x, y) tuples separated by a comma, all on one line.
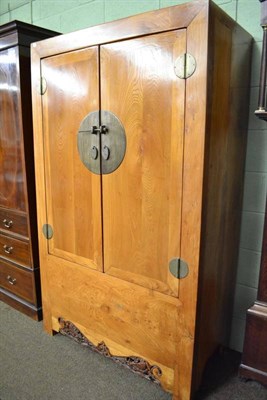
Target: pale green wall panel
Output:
[(237, 334), (255, 67), (169, 3), (248, 16), (115, 9), (4, 18), (256, 159), (248, 268), (22, 13), (245, 296), (230, 7), (255, 191), (84, 16), (224, 2), (251, 230), (6, 5), (52, 23), (48, 8)]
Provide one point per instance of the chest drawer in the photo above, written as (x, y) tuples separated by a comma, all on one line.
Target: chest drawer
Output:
[(15, 250), (13, 222), (17, 281)]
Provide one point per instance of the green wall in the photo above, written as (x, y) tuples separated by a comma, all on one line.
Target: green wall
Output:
[(69, 15)]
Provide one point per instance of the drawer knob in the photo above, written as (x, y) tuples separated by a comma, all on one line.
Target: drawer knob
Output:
[(7, 223), (7, 249), (11, 280)]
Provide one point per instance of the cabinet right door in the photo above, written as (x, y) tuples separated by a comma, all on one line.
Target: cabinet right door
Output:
[(142, 198)]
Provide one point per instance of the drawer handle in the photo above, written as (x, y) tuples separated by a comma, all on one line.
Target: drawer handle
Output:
[(11, 280), (7, 223), (7, 249)]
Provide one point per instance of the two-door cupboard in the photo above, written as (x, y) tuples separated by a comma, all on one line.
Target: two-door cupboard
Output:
[(140, 137)]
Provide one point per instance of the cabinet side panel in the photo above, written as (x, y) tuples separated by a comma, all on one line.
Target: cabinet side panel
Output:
[(26, 106), (228, 96), (194, 145)]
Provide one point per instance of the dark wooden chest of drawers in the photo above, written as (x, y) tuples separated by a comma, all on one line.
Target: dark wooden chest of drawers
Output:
[(19, 264), (254, 358)]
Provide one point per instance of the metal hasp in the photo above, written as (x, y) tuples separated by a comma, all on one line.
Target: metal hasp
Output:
[(102, 146), (113, 142), (178, 268), (185, 65), (48, 231), (88, 142)]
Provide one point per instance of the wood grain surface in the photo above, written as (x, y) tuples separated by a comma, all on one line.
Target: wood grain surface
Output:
[(13, 222), (155, 205), (15, 250), (18, 281), (130, 318), (73, 192), (142, 198)]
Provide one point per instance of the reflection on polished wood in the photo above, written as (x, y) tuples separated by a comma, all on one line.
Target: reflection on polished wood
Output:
[(12, 192)]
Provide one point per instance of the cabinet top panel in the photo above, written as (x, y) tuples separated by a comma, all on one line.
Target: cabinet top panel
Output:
[(20, 33), (151, 22)]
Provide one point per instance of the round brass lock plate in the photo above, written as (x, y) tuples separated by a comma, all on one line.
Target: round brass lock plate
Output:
[(113, 142), (101, 147), (88, 142)]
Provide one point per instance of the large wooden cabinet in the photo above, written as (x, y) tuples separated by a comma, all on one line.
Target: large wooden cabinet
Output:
[(140, 137), (19, 264)]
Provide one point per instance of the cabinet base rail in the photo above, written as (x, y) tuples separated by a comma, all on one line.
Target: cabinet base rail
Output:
[(137, 365)]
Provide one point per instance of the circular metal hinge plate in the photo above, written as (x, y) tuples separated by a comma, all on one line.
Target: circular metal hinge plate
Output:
[(178, 268), (185, 65), (47, 231), (41, 85)]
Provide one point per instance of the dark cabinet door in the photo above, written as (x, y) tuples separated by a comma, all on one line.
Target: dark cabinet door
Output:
[(12, 188)]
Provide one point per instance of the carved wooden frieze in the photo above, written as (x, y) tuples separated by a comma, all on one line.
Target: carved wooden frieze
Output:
[(136, 364)]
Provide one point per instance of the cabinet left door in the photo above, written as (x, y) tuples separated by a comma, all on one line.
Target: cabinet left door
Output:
[(12, 188), (73, 193)]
